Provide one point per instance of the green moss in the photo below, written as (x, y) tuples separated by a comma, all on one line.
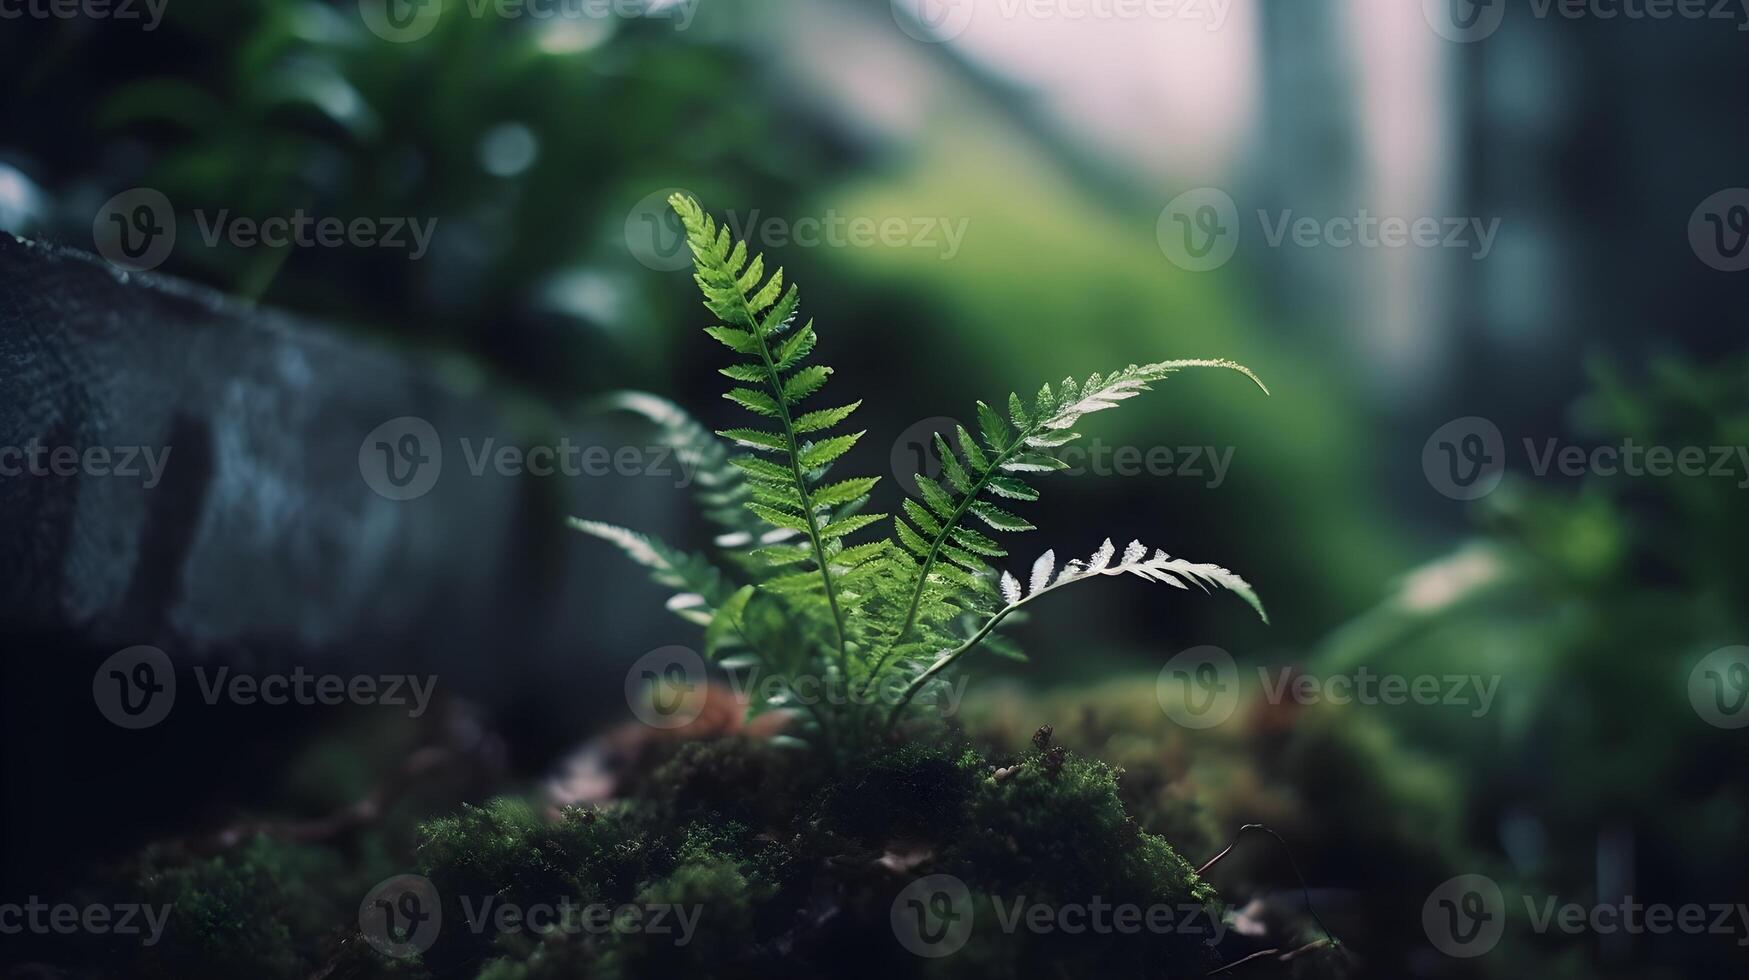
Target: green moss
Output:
[(764, 863), (258, 910), (914, 790), (1062, 831)]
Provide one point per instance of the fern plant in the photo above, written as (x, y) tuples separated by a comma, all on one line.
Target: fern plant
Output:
[(801, 588)]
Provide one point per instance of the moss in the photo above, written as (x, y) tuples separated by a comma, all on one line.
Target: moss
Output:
[(914, 790), (768, 865), (259, 910)]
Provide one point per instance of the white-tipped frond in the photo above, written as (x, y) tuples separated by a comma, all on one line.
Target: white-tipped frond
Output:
[(1157, 567)]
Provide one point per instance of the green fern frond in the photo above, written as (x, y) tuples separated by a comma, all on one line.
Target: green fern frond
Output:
[(758, 315), (719, 488), (984, 476), (799, 583), (703, 590), (1045, 577)]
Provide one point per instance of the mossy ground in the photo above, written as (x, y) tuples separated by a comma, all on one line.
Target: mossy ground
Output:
[(793, 870), (795, 865)]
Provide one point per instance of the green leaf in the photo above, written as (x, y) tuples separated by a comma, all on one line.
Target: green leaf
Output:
[(1007, 486), (739, 341), (921, 517), (755, 272), (1017, 412), (975, 542), (827, 450), (860, 554), (782, 495), (950, 466), (778, 555), (995, 430), (912, 541), (849, 525), (754, 373), (974, 454), (754, 401), (804, 383), (795, 347), (768, 295), (780, 314), (755, 438), (765, 470), (825, 418), (937, 498), (843, 492), (780, 518), (724, 631), (1033, 463), (998, 518)]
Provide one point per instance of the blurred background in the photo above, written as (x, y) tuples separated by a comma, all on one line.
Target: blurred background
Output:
[(1080, 184)]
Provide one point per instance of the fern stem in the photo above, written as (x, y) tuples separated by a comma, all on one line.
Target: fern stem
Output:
[(947, 659)]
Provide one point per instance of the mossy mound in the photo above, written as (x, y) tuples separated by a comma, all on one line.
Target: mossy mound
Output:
[(766, 862)]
